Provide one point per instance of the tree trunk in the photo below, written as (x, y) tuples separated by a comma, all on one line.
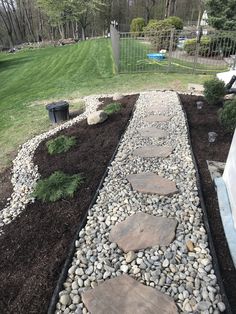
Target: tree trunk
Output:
[(167, 8), (83, 33), (61, 31)]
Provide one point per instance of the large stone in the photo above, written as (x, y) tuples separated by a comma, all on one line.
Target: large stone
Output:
[(151, 183), (97, 117), (157, 118), (153, 132), (153, 151), (117, 96), (127, 296), (141, 231)]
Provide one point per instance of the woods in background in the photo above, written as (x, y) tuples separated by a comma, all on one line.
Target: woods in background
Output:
[(38, 20)]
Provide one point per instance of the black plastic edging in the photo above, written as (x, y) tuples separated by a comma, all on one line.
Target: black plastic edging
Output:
[(64, 272), (206, 221)]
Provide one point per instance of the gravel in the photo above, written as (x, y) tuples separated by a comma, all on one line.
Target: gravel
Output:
[(184, 272)]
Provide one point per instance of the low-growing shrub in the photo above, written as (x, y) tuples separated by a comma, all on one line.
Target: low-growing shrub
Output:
[(214, 91), (59, 185), (212, 46), (112, 108), (176, 21), (205, 50), (227, 115), (137, 25), (159, 32), (60, 144)]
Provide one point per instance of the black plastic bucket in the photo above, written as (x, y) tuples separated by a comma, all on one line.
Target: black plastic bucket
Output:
[(58, 111)]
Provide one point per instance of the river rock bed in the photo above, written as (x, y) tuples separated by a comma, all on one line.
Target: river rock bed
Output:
[(25, 173), (183, 270)]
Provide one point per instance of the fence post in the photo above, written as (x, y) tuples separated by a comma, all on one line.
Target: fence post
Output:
[(234, 64), (172, 33), (115, 42), (198, 43)]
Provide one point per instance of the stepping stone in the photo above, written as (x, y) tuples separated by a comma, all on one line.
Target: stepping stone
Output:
[(141, 231), (127, 296), (151, 183), (157, 118), (160, 109), (153, 151), (153, 132)]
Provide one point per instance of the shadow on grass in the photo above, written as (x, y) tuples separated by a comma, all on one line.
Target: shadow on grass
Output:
[(12, 63)]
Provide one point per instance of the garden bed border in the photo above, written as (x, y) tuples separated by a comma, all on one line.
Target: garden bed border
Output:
[(72, 249), (205, 216)]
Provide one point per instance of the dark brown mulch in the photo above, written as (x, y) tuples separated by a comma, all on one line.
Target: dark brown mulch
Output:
[(200, 124), (35, 245), (6, 187)]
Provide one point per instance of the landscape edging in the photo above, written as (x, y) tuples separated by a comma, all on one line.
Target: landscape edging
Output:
[(205, 218), (72, 249)]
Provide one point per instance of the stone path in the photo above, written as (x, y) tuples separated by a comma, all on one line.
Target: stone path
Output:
[(179, 269)]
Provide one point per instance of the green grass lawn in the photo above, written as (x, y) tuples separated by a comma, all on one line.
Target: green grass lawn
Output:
[(31, 78)]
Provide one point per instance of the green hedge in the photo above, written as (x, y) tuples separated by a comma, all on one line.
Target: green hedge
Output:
[(212, 46), (227, 115), (137, 25), (159, 32), (214, 91)]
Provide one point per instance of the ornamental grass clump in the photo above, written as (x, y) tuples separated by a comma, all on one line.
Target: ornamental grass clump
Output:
[(227, 115), (58, 186), (112, 108), (214, 91), (60, 144)]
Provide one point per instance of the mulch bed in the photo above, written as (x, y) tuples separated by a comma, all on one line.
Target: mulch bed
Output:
[(200, 123), (35, 245), (6, 187)]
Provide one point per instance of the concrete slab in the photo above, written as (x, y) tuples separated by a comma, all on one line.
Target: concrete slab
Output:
[(226, 77), (226, 216), (216, 168)]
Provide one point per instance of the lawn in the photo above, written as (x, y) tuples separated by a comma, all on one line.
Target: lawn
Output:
[(29, 77)]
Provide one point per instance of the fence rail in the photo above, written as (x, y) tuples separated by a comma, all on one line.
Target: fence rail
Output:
[(174, 51)]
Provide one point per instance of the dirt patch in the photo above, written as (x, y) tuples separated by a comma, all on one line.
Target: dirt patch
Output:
[(35, 245), (200, 123)]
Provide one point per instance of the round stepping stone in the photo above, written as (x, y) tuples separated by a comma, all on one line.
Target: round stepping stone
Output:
[(141, 231), (151, 183), (151, 151), (153, 132), (157, 118), (125, 295)]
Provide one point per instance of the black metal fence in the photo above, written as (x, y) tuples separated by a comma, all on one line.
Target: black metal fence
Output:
[(174, 51)]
